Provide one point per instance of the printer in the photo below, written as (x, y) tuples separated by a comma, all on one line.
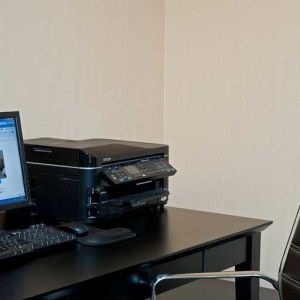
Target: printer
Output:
[(96, 179)]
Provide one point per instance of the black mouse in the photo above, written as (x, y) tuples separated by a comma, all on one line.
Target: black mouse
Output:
[(105, 237), (74, 227)]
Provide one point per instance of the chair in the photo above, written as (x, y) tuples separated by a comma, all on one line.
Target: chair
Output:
[(287, 285)]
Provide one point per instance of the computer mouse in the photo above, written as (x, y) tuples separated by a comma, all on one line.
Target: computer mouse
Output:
[(74, 227), (105, 237)]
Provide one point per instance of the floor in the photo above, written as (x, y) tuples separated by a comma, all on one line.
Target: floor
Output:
[(211, 290)]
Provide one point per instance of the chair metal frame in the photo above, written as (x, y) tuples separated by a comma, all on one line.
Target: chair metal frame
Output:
[(277, 284)]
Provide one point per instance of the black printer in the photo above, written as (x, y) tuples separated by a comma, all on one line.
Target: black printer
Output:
[(96, 179)]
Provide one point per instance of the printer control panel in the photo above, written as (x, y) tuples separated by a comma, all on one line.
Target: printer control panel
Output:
[(144, 168)]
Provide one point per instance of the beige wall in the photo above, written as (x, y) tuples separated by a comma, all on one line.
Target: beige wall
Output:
[(80, 69), (232, 107)]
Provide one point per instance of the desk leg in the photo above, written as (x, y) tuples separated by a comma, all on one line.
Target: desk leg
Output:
[(248, 289)]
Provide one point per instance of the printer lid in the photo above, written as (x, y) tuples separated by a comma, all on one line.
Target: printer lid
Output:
[(88, 153)]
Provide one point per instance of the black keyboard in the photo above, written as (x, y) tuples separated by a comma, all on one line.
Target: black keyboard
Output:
[(36, 238)]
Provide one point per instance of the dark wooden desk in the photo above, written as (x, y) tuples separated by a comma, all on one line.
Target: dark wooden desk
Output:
[(175, 240)]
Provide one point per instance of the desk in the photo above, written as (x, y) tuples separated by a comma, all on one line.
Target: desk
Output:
[(174, 240)]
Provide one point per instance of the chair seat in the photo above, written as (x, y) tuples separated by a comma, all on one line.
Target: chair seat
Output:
[(211, 290)]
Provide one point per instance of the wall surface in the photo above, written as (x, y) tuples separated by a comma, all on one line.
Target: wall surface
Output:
[(232, 107), (80, 69)]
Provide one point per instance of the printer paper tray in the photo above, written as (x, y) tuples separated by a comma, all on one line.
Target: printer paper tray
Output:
[(140, 199)]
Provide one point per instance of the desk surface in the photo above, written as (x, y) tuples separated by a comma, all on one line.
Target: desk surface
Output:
[(159, 236)]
